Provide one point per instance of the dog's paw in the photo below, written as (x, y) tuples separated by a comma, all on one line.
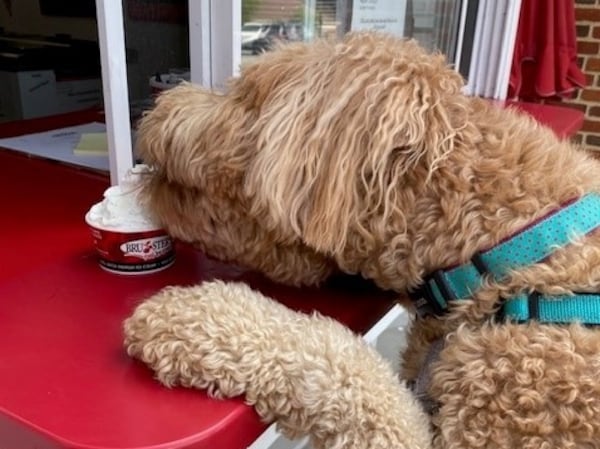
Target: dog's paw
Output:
[(187, 336)]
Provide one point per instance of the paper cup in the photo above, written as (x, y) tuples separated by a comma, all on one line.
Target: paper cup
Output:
[(132, 252)]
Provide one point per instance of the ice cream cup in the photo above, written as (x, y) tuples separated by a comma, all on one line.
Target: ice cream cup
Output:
[(126, 237), (132, 252)]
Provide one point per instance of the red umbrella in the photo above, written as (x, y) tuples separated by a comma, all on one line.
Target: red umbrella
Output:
[(545, 54)]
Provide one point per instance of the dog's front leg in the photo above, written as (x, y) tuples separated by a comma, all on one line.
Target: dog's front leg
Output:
[(308, 373)]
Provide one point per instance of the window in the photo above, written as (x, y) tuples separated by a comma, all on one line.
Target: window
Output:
[(448, 26)]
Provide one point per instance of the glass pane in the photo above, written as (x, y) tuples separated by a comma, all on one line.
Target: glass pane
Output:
[(50, 59), (434, 23), (157, 42)]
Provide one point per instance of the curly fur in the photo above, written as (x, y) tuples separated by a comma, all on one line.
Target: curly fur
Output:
[(373, 112), (514, 385), (366, 155), (309, 373)]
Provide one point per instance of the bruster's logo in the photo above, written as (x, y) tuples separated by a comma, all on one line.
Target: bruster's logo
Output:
[(146, 249)]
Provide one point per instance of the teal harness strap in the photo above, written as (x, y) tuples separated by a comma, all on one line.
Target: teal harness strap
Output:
[(529, 246), (563, 309)]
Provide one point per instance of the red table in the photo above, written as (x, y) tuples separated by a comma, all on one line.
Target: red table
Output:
[(565, 121), (65, 381)]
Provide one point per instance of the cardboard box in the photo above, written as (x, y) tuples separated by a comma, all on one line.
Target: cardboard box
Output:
[(27, 94), (31, 94)]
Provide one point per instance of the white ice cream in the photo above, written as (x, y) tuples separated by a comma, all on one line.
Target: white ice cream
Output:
[(121, 208)]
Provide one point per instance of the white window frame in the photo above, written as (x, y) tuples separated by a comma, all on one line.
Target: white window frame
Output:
[(111, 37), (215, 40), (494, 41)]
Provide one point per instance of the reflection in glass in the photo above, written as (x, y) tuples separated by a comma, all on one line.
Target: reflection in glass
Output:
[(434, 23), (157, 45)]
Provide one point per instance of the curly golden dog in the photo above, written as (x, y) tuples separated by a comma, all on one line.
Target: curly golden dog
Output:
[(364, 156)]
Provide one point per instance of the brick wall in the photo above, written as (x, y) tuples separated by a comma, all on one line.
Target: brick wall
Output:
[(587, 16)]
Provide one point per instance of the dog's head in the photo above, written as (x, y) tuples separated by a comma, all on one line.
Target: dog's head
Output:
[(200, 145), (341, 127), (323, 144)]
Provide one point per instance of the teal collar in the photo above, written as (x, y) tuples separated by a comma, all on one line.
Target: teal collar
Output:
[(528, 246)]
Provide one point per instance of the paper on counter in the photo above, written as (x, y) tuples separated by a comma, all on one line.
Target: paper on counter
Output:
[(59, 144)]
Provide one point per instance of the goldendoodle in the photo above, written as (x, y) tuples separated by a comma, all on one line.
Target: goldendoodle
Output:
[(365, 156)]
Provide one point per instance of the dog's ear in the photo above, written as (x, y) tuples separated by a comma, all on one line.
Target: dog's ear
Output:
[(339, 140), (192, 136)]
